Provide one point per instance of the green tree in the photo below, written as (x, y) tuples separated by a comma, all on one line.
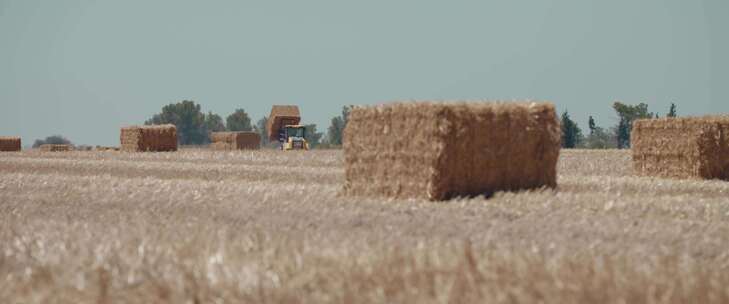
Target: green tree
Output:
[(672, 111), (336, 129), (239, 121), (571, 133), (627, 114), (52, 140), (312, 136), (214, 123), (188, 119), (262, 129)]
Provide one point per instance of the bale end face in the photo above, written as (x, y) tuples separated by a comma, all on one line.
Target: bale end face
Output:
[(437, 151), (683, 148), (157, 138), (10, 144)]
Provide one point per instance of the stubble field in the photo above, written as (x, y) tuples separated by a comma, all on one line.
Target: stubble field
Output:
[(199, 226)]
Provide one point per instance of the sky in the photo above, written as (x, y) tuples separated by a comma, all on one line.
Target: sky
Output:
[(83, 69)]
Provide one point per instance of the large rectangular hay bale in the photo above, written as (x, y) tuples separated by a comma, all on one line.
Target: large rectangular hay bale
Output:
[(10, 144), (55, 148), (280, 117), (690, 147), (438, 151), (156, 138), (235, 140)]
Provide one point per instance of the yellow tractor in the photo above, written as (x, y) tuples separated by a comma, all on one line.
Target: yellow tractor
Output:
[(283, 126)]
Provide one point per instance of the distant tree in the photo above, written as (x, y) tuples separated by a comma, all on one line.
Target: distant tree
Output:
[(52, 140), (239, 121), (571, 133), (214, 123), (188, 119), (591, 125), (262, 129), (600, 139), (672, 111), (627, 114), (312, 136), (335, 131)]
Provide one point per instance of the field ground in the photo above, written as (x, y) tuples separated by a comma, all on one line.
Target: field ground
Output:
[(269, 227)]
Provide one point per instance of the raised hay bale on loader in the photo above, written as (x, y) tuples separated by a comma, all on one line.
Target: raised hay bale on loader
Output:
[(235, 141), (438, 151), (280, 117), (690, 147), (158, 138), (10, 144), (55, 148)]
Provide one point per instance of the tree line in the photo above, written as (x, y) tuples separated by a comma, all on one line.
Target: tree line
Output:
[(193, 125), (617, 136)]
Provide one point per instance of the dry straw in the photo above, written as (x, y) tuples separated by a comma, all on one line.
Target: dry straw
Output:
[(158, 138), (9, 144), (281, 116), (235, 141), (691, 147), (442, 150), (55, 148)]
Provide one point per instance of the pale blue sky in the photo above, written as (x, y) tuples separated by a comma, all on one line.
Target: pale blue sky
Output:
[(85, 68)]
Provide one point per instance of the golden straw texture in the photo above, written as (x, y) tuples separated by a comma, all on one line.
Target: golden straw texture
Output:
[(444, 150), (235, 141), (158, 138), (281, 116), (691, 147)]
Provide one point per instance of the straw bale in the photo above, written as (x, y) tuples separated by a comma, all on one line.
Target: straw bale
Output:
[(157, 138), (281, 116), (10, 144), (235, 140), (438, 151), (55, 148), (689, 147)]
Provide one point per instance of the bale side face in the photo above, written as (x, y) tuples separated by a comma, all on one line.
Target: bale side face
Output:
[(10, 144), (438, 151), (235, 140), (695, 147), (159, 138), (55, 148)]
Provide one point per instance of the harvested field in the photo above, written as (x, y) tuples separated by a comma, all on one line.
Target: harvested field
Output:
[(55, 148), (10, 144), (235, 141), (443, 150), (271, 227), (692, 147), (158, 138)]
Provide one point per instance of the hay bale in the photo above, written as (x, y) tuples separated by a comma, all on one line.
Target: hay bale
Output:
[(157, 138), (281, 116), (55, 148), (105, 148), (691, 147), (235, 141), (10, 144), (438, 151)]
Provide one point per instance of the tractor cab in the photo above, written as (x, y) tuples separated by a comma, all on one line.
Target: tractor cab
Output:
[(294, 138)]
